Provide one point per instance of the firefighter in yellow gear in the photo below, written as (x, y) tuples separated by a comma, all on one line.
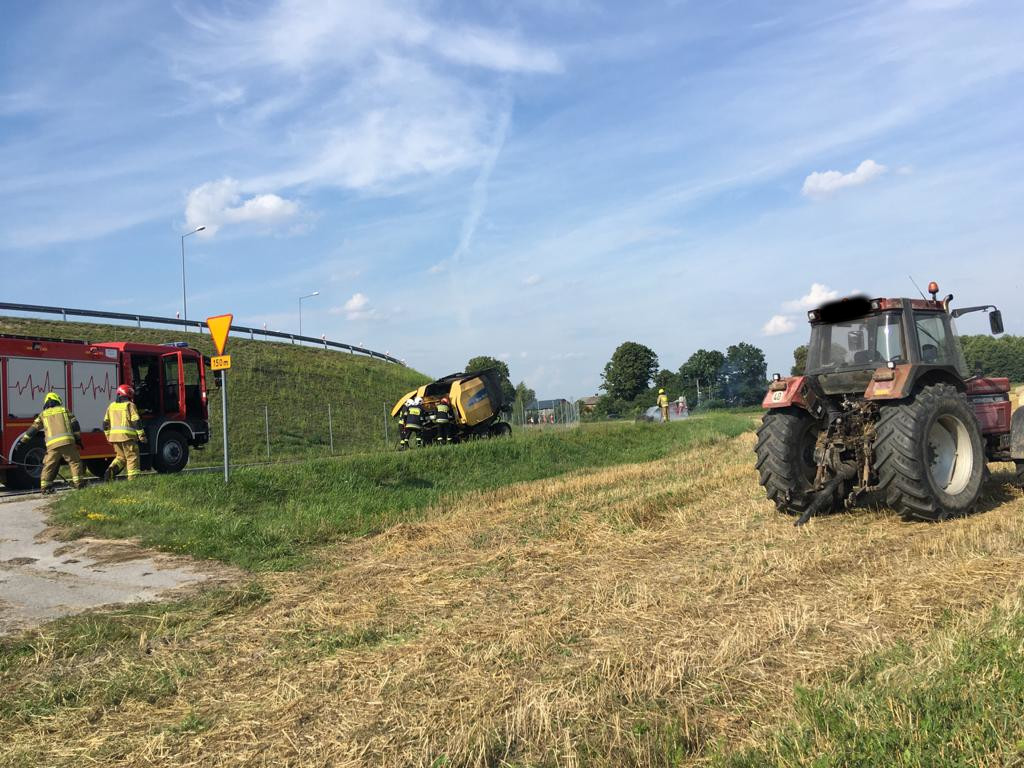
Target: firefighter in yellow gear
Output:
[(122, 426), (63, 438), (663, 404), (443, 419), (412, 423)]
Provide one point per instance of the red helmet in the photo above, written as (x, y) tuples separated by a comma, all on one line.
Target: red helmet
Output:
[(444, 400), (125, 391)]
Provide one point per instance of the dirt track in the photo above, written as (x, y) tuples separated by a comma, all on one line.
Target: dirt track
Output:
[(626, 616), (42, 578)]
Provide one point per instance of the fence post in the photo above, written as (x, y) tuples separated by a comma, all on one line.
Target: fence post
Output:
[(266, 426), (330, 427)]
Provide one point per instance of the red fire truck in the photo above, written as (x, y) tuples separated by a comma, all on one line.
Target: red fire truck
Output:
[(170, 392)]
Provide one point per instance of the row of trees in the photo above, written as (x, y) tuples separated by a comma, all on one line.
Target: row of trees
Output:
[(709, 378), (1003, 356)]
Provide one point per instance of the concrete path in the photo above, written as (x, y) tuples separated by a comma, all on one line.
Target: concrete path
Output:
[(42, 578)]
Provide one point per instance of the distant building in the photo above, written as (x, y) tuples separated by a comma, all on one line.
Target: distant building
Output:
[(548, 411), (590, 403)]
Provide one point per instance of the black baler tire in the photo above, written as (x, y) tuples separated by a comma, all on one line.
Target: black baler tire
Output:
[(780, 451), (901, 455)]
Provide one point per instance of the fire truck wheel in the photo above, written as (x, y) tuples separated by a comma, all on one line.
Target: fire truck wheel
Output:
[(97, 467), (29, 460), (929, 456), (785, 457), (171, 452)]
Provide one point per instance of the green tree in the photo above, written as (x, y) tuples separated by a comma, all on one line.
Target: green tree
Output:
[(799, 360), (628, 374), (746, 374), (670, 381), (524, 395), (1003, 356), (482, 363), (701, 370)]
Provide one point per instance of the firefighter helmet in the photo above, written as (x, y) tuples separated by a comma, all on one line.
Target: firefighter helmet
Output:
[(661, 391), (52, 398), (444, 400), (125, 390)]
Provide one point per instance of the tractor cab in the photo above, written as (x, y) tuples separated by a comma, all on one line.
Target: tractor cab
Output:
[(852, 339)]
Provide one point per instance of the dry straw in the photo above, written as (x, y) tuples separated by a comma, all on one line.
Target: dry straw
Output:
[(627, 616)]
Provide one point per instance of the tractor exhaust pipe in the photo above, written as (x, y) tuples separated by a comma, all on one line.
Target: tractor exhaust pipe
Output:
[(823, 498)]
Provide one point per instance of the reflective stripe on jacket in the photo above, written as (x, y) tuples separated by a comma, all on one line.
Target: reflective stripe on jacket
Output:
[(413, 416), (121, 424), (58, 426), (444, 414)]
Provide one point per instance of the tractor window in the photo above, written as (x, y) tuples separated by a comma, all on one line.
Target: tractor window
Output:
[(867, 342), (937, 343)]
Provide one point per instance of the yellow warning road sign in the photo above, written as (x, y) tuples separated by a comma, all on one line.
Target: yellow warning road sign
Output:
[(220, 363), (220, 326)]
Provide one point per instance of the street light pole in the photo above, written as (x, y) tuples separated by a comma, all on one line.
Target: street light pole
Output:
[(184, 298), (307, 296)]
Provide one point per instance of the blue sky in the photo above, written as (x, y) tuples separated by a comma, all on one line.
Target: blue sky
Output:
[(535, 180)]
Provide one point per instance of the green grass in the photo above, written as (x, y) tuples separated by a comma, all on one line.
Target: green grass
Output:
[(100, 661), (295, 383), (950, 706), (268, 518)]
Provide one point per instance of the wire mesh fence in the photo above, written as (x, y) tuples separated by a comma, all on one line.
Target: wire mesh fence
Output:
[(277, 432)]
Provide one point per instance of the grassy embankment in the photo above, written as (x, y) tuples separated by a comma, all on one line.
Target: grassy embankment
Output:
[(658, 613), (294, 383), (270, 518)]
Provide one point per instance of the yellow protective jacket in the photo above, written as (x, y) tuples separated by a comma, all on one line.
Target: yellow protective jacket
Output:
[(122, 423), (58, 425), (443, 413), (663, 401)]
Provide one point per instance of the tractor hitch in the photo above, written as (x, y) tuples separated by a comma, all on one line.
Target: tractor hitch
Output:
[(824, 498)]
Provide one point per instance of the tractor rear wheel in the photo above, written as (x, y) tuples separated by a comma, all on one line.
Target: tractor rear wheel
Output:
[(785, 457), (929, 456)]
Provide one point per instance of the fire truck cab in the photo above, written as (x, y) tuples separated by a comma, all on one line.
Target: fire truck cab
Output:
[(170, 392)]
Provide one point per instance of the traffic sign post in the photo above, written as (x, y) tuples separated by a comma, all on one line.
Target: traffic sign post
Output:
[(220, 327)]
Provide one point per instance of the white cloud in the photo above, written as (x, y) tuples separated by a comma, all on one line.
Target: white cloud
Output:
[(814, 298), (389, 105), (821, 184), (216, 203), (533, 280), (778, 325), (358, 308)]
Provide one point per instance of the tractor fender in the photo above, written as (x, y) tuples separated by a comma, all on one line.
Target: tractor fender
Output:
[(903, 380), (793, 391), (1017, 435)]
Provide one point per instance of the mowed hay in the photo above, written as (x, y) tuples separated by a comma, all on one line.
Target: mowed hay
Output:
[(628, 616)]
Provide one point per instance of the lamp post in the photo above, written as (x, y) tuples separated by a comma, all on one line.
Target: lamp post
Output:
[(184, 299), (307, 296)]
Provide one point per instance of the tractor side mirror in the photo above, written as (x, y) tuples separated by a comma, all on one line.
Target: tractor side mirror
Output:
[(995, 321)]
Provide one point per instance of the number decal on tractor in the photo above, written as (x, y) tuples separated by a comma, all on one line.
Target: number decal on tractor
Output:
[(777, 396)]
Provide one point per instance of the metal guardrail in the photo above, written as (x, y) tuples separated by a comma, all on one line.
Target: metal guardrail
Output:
[(66, 312)]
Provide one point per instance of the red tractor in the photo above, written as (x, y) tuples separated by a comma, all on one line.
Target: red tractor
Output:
[(886, 407)]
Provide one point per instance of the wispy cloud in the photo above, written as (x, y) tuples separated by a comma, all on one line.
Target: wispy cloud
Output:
[(823, 183)]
